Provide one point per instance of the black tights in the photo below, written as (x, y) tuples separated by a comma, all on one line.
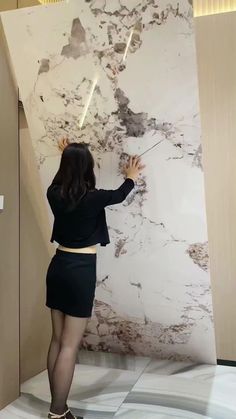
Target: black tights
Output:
[(66, 337)]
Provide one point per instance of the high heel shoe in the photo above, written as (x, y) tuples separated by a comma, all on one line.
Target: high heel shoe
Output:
[(52, 415), (69, 415)]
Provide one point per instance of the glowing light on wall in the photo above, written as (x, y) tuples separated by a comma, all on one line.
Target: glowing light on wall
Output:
[(50, 1), (128, 45), (212, 7), (94, 83)]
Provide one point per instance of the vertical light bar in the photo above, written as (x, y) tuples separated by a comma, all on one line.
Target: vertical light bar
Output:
[(127, 45), (95, 80)]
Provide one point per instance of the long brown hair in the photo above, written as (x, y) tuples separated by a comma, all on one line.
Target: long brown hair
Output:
[(76, 172)]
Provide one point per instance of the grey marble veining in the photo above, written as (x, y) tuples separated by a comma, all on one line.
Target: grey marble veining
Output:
[(204, 390), (165, 367), (156, 412)]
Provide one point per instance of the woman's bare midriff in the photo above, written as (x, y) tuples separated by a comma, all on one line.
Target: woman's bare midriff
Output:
[(88, 250)]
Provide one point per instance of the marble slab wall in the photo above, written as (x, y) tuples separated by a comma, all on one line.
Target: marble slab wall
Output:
[(153, 291)]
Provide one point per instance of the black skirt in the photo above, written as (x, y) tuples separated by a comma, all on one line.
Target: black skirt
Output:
[(71, 283)]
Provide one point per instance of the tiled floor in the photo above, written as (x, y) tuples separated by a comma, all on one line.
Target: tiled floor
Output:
[(125, 387)]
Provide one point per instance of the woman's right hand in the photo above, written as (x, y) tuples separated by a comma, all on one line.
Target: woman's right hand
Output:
[(134, 168)]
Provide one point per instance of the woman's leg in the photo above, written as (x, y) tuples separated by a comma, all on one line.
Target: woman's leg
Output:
[(63, 371), (57, 327)]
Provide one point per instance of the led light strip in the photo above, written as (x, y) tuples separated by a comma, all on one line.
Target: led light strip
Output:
[(50, 1), (212, 7)]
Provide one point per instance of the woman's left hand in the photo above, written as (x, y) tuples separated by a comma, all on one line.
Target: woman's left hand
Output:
[(62, 144)]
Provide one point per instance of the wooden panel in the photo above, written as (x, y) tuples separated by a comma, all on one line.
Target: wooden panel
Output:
[(27, 3), (13, 4), (216, 52), (9, 237), (8, 5), (34, 257)]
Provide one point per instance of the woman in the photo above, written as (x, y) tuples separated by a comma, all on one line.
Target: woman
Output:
[(79, 225)]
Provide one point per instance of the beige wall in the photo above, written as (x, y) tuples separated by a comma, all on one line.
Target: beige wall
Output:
[(216, 53), (9, 235), (35, 253)]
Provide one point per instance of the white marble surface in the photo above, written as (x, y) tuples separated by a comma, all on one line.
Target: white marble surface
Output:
[(97, 391), (153, 295), (200, 391), (92, 386), (169, 390)]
